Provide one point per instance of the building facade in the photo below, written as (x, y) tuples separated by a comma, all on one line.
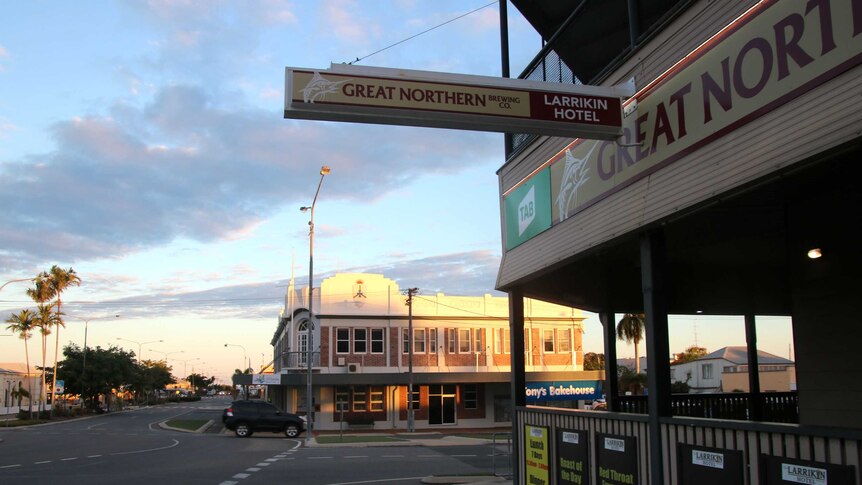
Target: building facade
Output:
[(460, 359), (726, 370)]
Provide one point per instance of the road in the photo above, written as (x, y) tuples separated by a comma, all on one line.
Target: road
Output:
[(130, 448)]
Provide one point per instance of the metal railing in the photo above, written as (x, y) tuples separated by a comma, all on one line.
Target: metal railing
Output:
[(547, 68), (776, 407), (298, 360), (503, 440)]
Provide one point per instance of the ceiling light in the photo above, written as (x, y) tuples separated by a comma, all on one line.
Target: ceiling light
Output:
[(814, 253)]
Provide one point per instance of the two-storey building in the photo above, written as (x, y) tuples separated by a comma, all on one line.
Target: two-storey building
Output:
[(460, 359)]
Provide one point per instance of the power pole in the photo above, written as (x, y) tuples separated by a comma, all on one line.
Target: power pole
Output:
[(410, 418)]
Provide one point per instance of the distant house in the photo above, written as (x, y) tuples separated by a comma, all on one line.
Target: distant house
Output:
[(726, 370), (13, 375), (629, 362)]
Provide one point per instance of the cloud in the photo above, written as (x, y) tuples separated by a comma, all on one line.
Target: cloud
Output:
[(464, 274), (182, 166)]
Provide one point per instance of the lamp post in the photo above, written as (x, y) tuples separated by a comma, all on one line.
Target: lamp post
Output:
[(185, 364), (15, 281), (309, 398), (84, 358), (166, 354), (140, 344)]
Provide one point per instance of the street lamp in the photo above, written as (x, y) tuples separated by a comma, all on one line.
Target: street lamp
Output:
[(84, 358), (244, 356), (309, 407), (185, 363), (166, 354), (15, 281), (140, 344)]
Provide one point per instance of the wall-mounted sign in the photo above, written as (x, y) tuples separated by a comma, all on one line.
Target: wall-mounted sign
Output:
[(563, 391), (776, 470), (441, 100), (528, 209), (699, 465), (572, 457), (616, 460), (536, 455), (774, 53), (266, 379)]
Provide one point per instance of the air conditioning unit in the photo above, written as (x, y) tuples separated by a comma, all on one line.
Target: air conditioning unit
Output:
[(341, 361), (353, 368)]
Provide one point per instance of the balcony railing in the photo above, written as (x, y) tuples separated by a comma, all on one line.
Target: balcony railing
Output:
[(298, 360), (777, 407), (546, 68)]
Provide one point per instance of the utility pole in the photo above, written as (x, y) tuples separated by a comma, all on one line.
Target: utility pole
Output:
[(410, 417)]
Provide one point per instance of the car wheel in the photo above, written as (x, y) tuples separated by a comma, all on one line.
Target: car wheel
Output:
[(242, 430), (291, 431)]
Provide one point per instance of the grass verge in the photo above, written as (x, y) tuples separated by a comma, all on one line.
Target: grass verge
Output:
[(12, 423)]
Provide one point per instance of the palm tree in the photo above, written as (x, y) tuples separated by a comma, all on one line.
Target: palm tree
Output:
[(20, 393), (631, 329), (61, 280), (44, 320), (22, 323)]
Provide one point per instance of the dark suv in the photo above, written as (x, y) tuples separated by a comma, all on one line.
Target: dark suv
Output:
[(246, 417)]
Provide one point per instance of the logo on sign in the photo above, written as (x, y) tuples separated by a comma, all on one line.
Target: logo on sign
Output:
[(614, 444), (536, 433), (526, 211), (706, 458), (318, 88), (573, 438), (574, 176), (803, 474)]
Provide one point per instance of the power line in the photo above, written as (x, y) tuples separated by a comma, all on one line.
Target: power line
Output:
[(358, 59)]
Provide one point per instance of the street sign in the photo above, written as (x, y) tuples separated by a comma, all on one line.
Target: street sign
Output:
[(442, 100), (61, 387)]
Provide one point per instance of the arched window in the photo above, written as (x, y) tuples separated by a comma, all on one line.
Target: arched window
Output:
[(302, 341)]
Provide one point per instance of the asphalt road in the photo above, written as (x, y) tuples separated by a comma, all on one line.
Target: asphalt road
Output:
[(130, 448)]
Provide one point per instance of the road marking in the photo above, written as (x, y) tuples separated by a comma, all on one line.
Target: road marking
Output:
[(263, 464), (41, 462), (242, 475), (229, 482), (463, 456), (379, 481), (93, 426), (319, 457), (9, 466), (145, 451), (252, 469), (94, 456), (68, 459), (272, 459)]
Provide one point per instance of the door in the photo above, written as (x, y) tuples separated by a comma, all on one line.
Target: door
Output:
[(441, 404)]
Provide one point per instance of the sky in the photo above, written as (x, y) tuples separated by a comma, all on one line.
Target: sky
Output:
[(143, 144)]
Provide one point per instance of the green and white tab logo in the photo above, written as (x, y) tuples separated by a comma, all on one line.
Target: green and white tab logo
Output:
[(528, 209)]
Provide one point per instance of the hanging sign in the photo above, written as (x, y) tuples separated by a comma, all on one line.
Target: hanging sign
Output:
[(573, 457), (777, 470), (699, 465), (616, 460), (442, 100)]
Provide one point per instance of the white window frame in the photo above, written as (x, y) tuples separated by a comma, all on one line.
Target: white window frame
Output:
[(360, 400), (363, 340), (339, 340), (419, 344), (375, 398), (568, 340), (451, 340), (706, 369), (478, 341), (381, 340), (545, 341), (465, 332)]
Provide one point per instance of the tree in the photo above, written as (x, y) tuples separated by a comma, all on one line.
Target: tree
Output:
[(60, 280), (44, 320), (631, 329), (691, 353), (19, 393), (200, 383), (630, 381), (594, 361), (152, 375), (107, 369), (23, 323)]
